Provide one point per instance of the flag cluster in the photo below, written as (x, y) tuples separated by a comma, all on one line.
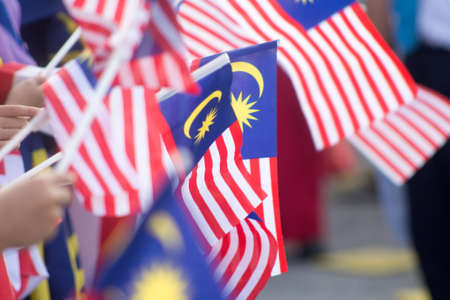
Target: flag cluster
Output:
[(208, 160)]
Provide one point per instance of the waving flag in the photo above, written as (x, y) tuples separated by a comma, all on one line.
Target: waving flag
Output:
[(163, 260), (159, 51), (345, 75), (253, 98), (401, 143), (119, 163), (218, 191), (243, 259)]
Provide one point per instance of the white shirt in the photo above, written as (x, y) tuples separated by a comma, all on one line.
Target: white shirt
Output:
[(433, 23)]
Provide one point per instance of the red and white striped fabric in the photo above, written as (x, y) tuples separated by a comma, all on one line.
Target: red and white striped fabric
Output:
[(266, 172), (219, 192), (207, 29), (26, 269), (154, 24), (12, 73), (243, 259), (120, 162), (401, 144), (100, 19), (344, 74)]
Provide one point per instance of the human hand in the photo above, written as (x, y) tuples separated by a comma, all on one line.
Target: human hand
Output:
[(30, 210), (12, 119), (27, 92)]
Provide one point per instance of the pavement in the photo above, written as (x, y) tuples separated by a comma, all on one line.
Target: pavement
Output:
[(377, 268)]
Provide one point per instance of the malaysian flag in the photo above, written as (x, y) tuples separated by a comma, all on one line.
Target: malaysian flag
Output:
[(344, 74), (253, 98), (162, 261), (401, 143), (218, 192), (243, 259), (119, 164), (152, 34)]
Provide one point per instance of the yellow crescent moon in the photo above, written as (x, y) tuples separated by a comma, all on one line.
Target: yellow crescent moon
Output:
[(242, 66), (198, 109)]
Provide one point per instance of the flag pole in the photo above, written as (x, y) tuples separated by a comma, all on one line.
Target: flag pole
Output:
[(40, 119), (42, 166)]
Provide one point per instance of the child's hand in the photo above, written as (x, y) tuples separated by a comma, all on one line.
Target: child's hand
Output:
[(27, 92), (30, 210), (12, 119)]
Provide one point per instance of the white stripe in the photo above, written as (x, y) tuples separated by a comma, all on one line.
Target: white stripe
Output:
[(172, 71), (110, 9), (141, 146), (147, 68), (437, 120), (215, 251), (431, 133)]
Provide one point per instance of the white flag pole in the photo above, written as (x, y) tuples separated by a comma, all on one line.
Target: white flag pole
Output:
[(42, 166), (41, 118)]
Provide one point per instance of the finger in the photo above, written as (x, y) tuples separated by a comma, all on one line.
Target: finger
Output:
[(7, 133), (62, 179), (62, 196), (18, 111), (40, 79), (6, 122)]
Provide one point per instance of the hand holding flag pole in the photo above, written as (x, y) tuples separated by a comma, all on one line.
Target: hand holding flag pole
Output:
[(41, 118)]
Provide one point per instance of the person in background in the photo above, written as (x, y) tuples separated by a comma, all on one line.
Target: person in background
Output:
[(422, 34)]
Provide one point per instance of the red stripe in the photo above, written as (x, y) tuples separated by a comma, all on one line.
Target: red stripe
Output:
[(97, 28), (276, 210), (300, 50), (100, 6), (349, 71), (216, 193), (129, 126), (202, 206), (118, 16), (154, 143), (377, 60), (160, 71), (358, 10), (383, 157), (79, 3), (361, 63), (317, 117), (224, 248)]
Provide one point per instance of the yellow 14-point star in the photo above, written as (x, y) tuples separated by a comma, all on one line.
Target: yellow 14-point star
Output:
[(243, 110)]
